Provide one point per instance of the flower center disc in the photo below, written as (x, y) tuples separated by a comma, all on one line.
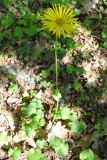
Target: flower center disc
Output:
[(60, 21)]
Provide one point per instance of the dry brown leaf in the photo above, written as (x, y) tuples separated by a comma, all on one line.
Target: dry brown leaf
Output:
[(89, 4), (3, 154), (10, 118), (11, 100), (58, 130), (85, 141), (31, 142)]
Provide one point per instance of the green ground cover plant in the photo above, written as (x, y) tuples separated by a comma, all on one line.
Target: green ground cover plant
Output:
[(53, 96)]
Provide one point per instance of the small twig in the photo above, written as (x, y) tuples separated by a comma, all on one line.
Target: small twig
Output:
[(100, 39), (4, 114)]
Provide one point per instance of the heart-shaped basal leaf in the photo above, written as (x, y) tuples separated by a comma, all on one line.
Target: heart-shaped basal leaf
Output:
[(60, 146), (14, 153), (36, 155), (41, 143), (87, 154), (69, 43), (57, 113), (65, 113), (44, 74), (105, 44), (4, 139), (7, 21), (70, 69), (18, 33), (35, 123), (32, 30), (80, 70), (57, 95), (73, 117), (76, 85), (104, 34), (77, 126), (32, 108)]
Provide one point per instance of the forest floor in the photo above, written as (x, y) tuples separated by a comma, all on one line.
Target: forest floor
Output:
[(82, 83)]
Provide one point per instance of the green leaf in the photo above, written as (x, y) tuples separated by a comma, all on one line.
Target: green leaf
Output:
[(76, 85), (104, 123), (86, 56), (1, 36), (88, 23), (18, 32), (105, 44), (27, 128), (32, 30), (77, 11), (40, 143), (53, 2), (7, 21), (87, 154), (45, 84), (33, 17), (70, 68), (25, 95), (32, 108), (65, 113), (33, 93), (23, 22), (97, 134), (60, 146), (6, 2), (36, 155), (36, 53), (104, 34), (44, 74), (77, 126), (80, 70), (69, 42), (73, 117), (78, 44), (13, 87), (56, 95), (37, 122), (4, 139), (105, 2), (28, 110), (34, 122), (57, 113), (14, 153), (1, 56)]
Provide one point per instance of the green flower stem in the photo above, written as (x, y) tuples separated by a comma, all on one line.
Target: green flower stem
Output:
[(56, 65)]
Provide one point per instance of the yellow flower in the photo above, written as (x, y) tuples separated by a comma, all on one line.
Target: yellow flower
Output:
[(60, 20)]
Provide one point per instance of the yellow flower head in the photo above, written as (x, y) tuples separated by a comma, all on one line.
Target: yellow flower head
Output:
[(60, 20)]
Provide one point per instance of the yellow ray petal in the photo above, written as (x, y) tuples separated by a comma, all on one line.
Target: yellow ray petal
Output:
[(60, 20)]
